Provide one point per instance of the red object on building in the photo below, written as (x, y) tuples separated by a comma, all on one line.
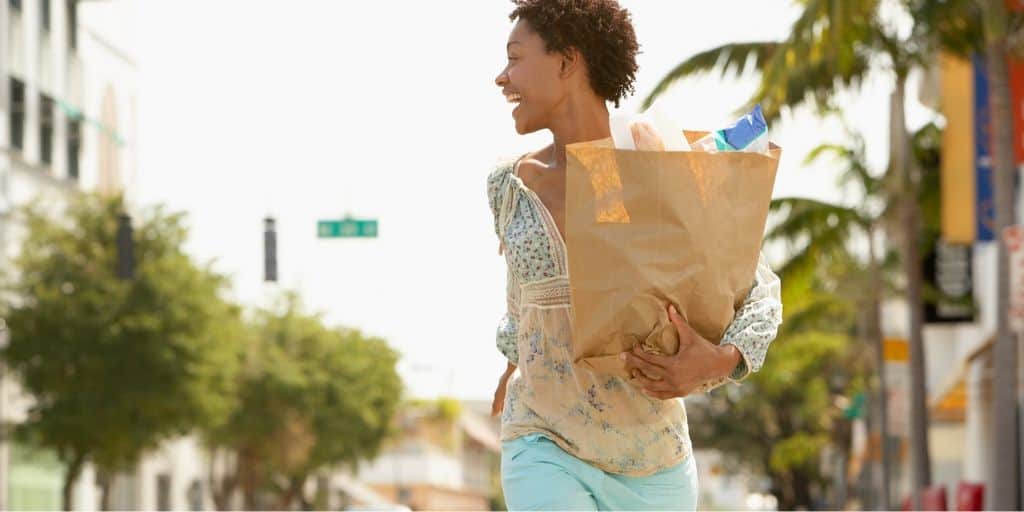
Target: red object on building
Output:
[(932, 498), (970, 496)]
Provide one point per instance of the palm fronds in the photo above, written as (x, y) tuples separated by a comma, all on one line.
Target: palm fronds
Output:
[(729, 59)]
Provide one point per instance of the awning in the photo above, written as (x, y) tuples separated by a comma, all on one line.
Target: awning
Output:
[(950, 400), (359, 492)]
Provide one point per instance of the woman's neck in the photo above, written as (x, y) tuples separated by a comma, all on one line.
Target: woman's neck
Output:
[(584, 119)]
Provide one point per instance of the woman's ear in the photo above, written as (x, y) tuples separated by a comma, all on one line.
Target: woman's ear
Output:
[(571, 61)]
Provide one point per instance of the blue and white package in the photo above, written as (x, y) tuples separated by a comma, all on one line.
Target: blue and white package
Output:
[(750, 133)]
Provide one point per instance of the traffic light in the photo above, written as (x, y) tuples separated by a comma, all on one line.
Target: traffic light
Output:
[(269, 250), (125, 247)]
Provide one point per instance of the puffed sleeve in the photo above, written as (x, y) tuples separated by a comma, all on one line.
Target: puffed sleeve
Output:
[(508, 327)]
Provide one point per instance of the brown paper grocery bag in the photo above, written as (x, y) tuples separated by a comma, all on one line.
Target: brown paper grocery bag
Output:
[(644, 229)]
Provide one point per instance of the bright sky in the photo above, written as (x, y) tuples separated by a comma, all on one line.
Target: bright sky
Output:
[(309, 110)]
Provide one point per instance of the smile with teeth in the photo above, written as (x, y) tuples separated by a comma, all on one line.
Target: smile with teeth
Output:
[(513, 98)]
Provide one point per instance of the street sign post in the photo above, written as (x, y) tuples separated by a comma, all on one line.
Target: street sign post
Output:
[(347, 228)]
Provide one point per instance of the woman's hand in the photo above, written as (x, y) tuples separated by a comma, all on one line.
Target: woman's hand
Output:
[(697, 361), (499, 394)]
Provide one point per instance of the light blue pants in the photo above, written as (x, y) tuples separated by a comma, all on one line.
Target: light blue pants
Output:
[(538, 475)]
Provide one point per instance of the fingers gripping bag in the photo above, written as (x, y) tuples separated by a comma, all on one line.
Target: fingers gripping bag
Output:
[(646, 227)]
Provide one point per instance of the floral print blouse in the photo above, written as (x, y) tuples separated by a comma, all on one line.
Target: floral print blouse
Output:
[(600, 419)]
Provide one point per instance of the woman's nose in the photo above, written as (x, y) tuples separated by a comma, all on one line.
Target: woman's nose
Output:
[(501, 79)]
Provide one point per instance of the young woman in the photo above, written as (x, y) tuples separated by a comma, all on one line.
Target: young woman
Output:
[(572, 439)]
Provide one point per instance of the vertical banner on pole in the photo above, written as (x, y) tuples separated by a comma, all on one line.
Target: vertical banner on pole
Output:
[(956, 173), (1016, 67), (985, 202)]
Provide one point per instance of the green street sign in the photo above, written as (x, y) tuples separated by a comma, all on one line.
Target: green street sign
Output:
[(856, 408), (346, 228)]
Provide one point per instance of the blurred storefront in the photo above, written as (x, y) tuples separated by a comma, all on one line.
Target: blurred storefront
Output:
[(962, 277)]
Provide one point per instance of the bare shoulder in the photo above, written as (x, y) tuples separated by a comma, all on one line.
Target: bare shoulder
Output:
[(532, 163)]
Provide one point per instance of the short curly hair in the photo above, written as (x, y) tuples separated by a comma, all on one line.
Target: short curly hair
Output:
[(601, 31)]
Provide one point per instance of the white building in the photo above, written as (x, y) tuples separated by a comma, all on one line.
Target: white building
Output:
[(67, 123)]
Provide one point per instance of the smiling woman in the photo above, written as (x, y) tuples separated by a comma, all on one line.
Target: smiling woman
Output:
[(553, 36), (572, 438)]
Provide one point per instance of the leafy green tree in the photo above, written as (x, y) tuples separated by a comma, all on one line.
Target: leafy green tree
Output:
[(115, 366), (310, 399), (816, 230), (780, 421)]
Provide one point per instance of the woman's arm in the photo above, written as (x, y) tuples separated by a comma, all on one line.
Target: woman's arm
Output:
[(508, 328), (508, 333), (499, 394), (754, 326)]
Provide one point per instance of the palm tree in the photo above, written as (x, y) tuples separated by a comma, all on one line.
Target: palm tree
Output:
[(824, 229), (1006, 482), (833, 45)]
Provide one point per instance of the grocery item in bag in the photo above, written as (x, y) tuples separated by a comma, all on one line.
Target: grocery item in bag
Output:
[(749, 133), (656, 123)]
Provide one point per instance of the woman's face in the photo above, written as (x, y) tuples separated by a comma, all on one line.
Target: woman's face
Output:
[(532, 80)]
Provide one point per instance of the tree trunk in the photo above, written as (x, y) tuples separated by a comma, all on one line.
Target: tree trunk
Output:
[(305, 503), (907, 169), (248, 480), (104, 481), (322, 496), (1006, 477), (803, 497), (787, 496), (294, 492), (874, 332), (70, 477), (221, 490)]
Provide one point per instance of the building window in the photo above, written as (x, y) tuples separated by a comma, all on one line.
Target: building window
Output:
[(74, 147), (72, 19), (46, 119), (15, 4), (17, 119), (44, 14)]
